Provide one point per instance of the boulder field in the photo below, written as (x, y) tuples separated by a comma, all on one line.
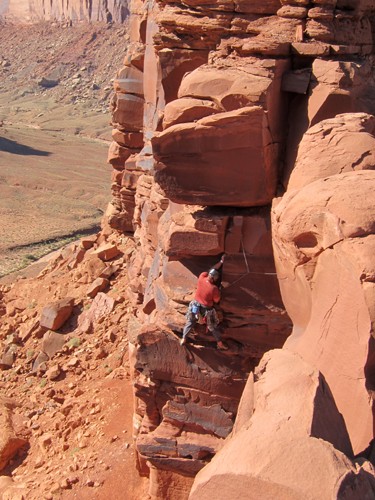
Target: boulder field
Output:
[(244, 128)]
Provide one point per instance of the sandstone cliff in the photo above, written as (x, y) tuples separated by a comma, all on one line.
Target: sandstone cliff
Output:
[(245, 128), (236, 104), (66, 10)]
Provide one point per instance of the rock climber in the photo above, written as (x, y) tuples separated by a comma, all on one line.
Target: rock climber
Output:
[(202, 307)]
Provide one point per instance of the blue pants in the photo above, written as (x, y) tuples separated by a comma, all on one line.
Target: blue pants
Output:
[(209, 315)]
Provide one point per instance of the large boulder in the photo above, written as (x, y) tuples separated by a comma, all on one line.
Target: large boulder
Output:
[(101, 306), (336, 87), (188, 110), (333, 92), (195, 160), (10, 442), (324, 242), (186, 231), (52, 343), (295, 444), (55, 314), (341, 144), (195, 153)]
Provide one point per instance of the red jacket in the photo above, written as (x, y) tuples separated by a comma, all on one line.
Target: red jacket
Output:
[(207, 293)]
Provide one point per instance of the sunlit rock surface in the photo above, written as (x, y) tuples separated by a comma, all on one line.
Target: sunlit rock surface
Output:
[(242, 128), (241, 103)]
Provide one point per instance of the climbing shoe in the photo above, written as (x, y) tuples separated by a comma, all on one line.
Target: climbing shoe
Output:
[(222, 346)]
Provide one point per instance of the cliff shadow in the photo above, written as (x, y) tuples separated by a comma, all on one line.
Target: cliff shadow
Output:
[(14, 147), (369, 452)]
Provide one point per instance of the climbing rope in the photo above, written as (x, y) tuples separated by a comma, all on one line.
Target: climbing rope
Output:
[(247, 269)]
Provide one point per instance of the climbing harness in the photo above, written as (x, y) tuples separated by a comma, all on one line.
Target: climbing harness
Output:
[(203, 315), (198, 311)]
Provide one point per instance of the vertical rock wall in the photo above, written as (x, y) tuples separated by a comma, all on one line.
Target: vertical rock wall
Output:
[(209, 111), (65, 10)]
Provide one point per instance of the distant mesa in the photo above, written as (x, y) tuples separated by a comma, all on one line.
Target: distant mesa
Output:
[(65, 11)]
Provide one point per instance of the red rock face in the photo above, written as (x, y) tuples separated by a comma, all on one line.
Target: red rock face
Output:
[(196, 157), (324, 253), (279, 450), (345, 143), (236, 103)]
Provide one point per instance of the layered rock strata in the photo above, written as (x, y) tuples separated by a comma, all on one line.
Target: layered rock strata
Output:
[(235, 103), (65, 10), (244, 128)]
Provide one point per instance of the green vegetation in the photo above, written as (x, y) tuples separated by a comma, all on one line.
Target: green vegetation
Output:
[(32, 304), (108, 369), (74, 342), (74, 450), (31, 257)]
